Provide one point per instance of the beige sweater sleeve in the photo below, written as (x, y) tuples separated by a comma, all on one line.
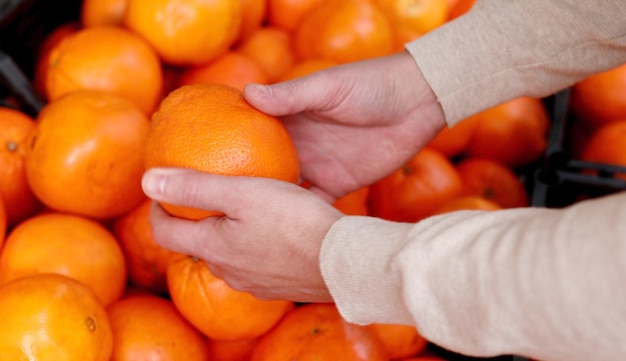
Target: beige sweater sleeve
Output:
[(505, 49), (543, 283)]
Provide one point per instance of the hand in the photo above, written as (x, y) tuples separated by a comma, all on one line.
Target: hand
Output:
[(355, 123), (268, 242)]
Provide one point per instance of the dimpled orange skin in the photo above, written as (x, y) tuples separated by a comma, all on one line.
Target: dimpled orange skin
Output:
[(51, 317), (211, 128)]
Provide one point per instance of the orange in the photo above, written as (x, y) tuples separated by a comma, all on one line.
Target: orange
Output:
[(93, 143), (493, 181), (232, 68), (403, 36), (19, 200), (305, 67), (147, 327), (453, 141), (344, 31), (186, 32), (513, 133), (452, 3), (253, 16), (218, 311), (600, 98), (145, 259), (43, 53), (354, 203), (237, 350), (3, 223), (418, 16), (102, 12), (460, 8), (417, 189), (270, 47), (467, 203), (73, 246), (109, 59), (287, 14), (51, 317), (211, 128), (400, 341), (607, 145), (316, 331)]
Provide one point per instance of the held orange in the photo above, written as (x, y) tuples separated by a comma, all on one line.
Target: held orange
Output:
[(211, 128)]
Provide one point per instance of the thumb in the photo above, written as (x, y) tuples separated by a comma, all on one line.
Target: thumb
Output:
[(292, 96)]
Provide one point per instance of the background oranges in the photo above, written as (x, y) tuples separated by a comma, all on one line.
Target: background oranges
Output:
[(233, 68), (60, 318), (146, 261), (186, 32), (149, 327), (73, 246), (141, 51), (217, 310), (103, 58), (316, 331), (93, 142), (344, 31), (19, 200)]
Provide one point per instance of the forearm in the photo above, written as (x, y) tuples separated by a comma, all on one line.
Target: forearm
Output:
[(544, 283), (504, 49)]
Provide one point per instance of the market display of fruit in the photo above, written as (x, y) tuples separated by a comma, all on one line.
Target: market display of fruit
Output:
[(81, 83)]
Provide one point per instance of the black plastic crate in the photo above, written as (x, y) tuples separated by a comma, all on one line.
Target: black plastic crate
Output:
[(562, 179), (24, 24)]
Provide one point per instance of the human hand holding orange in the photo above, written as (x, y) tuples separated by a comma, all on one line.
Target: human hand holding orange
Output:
[(267, 243), (355, 123)]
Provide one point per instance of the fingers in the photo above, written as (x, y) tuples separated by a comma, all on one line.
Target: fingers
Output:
[(313, 92), (176, 234), (235, 196), (191, 188)]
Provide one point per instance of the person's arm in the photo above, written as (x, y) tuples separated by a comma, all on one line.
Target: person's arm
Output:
[(504, 49), (543, 283)]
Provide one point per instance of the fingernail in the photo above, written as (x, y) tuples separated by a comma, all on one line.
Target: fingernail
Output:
[(153, 180), (262, 89)]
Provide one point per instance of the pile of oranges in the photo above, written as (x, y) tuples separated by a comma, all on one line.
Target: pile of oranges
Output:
[(80, 274)]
